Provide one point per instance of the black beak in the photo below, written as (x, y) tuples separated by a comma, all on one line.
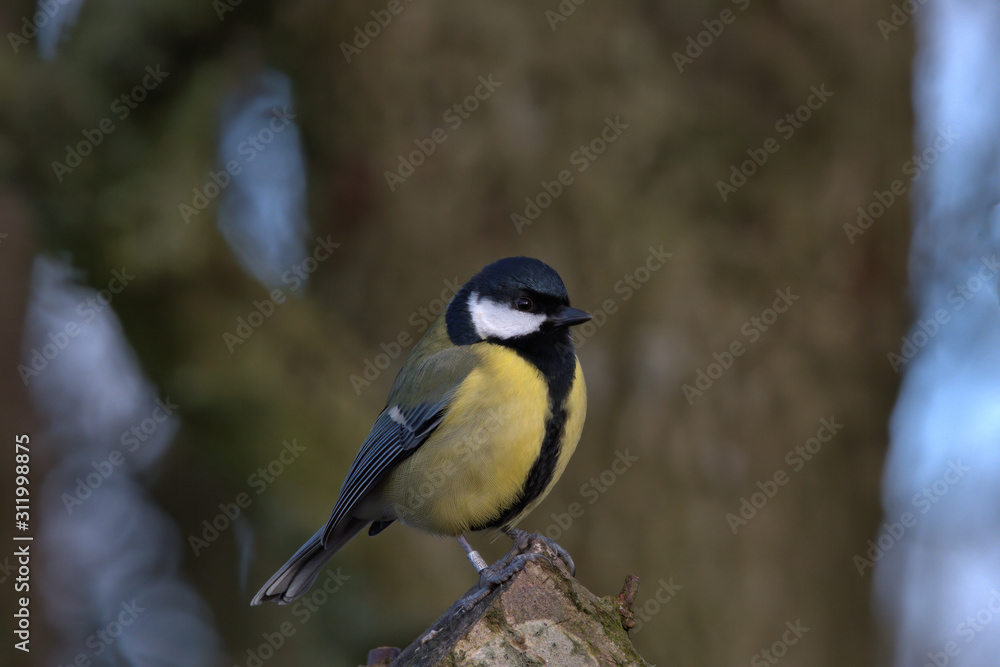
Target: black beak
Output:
[(567, 317)]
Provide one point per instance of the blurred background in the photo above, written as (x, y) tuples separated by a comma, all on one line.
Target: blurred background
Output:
[(224, 225)]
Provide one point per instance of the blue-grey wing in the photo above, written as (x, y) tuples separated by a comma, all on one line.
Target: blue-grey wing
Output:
[(396, 434)]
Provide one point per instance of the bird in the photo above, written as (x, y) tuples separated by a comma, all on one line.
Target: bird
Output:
[(479, 425)]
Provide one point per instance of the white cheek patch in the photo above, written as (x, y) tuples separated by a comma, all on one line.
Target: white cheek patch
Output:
[(497, 320)]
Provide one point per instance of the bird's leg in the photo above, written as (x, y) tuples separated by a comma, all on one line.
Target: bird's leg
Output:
[(486, 581), (491, 576), (475, 557), (528, 547)]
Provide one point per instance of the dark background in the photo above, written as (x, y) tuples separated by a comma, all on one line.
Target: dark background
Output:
[(664, 517)]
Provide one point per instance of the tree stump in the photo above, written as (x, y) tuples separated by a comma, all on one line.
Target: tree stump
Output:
[(541, 616)]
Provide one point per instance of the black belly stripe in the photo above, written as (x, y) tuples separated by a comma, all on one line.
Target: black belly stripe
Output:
[(557, 362)]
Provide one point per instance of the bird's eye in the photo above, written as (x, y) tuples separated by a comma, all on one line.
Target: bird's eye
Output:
[(523, 303)]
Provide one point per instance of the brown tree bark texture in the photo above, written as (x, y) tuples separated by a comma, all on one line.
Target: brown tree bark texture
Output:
[(541, 616)]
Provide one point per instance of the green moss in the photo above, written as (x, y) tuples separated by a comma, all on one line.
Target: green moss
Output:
[(604, 612), (495, 620)]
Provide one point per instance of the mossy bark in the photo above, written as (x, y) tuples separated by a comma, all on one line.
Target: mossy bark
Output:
[(541, 616)]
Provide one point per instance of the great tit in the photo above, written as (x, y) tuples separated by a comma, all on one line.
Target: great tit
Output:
[(479, 425)]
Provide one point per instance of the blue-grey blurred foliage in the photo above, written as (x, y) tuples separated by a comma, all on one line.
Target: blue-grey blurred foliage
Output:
[(246, 213), (938, 577)]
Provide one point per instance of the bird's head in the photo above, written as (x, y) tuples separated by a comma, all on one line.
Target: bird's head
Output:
[(512, 299)]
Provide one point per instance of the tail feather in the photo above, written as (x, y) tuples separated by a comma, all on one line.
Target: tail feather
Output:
[(298, 574)]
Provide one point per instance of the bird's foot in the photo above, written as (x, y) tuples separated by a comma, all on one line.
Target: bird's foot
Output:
[(493, 576), (471, 599), (528, 547), (501, 571), (525, 542)]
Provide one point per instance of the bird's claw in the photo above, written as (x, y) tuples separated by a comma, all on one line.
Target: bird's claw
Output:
[(528, 547), (493, 576), (525, 542), (471, 599)]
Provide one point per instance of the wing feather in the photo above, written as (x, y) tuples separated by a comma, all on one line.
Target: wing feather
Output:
[(396, 434), (417, 403)]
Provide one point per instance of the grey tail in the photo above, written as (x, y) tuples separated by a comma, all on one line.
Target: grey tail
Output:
[(298, 574)]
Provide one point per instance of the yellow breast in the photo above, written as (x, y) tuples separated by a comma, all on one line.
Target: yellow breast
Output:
[(476, 462)]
